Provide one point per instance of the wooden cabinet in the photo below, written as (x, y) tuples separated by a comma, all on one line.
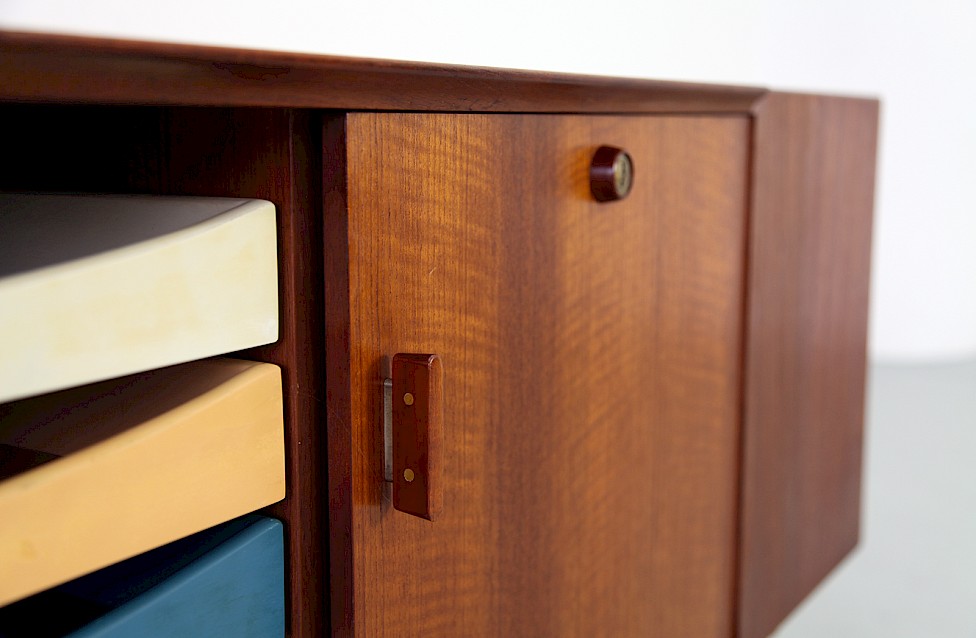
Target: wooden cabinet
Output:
[(652, 407)]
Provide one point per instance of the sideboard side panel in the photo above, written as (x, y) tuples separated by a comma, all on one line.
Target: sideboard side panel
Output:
[(809, 260)]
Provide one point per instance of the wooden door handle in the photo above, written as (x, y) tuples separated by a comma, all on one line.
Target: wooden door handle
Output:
[(413, 411)]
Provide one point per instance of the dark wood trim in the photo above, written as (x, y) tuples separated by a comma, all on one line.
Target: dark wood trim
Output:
[(337, 382), (69, 69), (302, 313)]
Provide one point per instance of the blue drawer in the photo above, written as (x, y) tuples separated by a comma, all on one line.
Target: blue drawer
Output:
[(224, 581)]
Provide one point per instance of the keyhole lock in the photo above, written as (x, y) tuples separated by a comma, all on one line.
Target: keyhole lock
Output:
[(611, 174)]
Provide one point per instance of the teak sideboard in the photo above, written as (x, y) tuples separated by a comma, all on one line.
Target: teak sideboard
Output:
[(652, 407)]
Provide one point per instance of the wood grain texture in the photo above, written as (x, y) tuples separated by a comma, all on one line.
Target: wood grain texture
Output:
[(48, 68), (592, 369), (260, 153), (810, 248)]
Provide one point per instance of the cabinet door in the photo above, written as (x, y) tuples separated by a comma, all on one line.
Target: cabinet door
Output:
[(591, 372)]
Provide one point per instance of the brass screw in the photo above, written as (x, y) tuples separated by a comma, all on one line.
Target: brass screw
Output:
[(408, 475), (408, 398)]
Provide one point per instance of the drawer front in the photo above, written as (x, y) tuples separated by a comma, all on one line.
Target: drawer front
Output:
[(591, 372), (224, 581), (132, 464)]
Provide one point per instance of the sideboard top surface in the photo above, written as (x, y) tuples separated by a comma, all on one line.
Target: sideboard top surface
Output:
[(70, 69)]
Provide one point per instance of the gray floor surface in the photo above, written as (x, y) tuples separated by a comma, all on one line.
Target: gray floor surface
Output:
[(914, 573)]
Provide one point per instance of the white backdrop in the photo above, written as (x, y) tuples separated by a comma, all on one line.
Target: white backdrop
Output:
[(920, 58)]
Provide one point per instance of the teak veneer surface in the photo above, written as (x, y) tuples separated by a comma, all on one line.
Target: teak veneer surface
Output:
[(591, 367), (51, 68), (810, 253)]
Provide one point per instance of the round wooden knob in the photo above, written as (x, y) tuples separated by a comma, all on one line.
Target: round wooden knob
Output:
[(611, 174)]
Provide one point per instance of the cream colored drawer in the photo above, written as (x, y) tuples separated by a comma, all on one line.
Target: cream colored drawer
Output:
[(95, 287)]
